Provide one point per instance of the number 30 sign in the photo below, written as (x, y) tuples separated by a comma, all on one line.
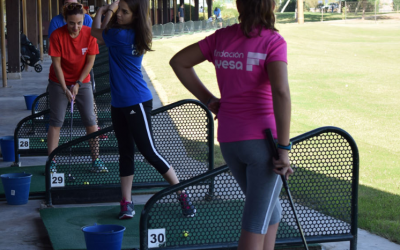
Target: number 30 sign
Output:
[(156, 237)]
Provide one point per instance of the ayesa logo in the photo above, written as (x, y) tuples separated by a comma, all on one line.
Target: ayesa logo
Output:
[(229, 64)]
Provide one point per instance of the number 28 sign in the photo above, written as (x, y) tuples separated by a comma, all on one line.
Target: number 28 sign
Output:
[(156, 237), (23, 143)]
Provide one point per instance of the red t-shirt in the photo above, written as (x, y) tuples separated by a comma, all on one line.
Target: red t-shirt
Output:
[(73, 53)]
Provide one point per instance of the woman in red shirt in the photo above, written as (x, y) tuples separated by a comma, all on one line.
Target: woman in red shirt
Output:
[(73, 51)]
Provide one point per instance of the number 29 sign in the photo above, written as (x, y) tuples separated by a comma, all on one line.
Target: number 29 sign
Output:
[(57, 180)]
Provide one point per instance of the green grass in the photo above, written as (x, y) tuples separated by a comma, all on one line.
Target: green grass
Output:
[(340, 75), (288, 17)]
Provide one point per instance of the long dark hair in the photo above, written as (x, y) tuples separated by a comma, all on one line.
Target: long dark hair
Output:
[(141, 24), (256, 14)]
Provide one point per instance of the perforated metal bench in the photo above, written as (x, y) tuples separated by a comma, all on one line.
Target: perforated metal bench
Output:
[(324, 188), (183, 133)]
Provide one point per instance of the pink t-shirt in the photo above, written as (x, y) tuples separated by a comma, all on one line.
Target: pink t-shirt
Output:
[(246, 100)]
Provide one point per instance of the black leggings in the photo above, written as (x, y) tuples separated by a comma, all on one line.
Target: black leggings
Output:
[(133, 125)]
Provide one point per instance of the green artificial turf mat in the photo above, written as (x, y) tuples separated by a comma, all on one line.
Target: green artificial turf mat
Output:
[(64, 225), (37, 182)]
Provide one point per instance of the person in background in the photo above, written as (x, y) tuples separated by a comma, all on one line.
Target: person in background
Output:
[(218, 16), (217, 13), (59, 21), (181, 13), (255, 96), (73, 51)]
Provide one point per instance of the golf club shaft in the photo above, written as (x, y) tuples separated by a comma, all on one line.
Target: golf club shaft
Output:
[(275, 154), (70, 133)]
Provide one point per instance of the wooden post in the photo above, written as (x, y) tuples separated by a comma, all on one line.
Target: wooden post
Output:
[(175, 10), (300, 13), (156, 11), (58, 7), (24, 18), (40, 28), (204, 17), (24, 24), (31, 12), (13, 13), (3, 45), (50, 11)]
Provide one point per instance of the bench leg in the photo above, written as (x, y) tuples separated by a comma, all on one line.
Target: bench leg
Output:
[(353, 244)]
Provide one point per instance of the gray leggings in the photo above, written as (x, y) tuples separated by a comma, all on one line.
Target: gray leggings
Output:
[(251, 164)]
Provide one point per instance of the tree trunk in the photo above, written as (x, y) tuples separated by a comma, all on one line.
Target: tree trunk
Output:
[(284, 7), (364, 7), (358, 6)]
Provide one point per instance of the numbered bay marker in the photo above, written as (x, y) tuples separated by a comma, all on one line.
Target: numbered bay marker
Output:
[(57, 180), (156, 237), (23, 143)]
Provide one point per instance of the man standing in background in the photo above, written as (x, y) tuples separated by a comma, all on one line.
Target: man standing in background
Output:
[(181, 13), (59, 21)]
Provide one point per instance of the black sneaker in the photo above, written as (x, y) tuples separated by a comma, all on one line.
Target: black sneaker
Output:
[(188, 209), (127, 210)]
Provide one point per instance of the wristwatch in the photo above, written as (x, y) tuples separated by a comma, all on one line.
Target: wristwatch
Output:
[(288, 147), (79, 83)]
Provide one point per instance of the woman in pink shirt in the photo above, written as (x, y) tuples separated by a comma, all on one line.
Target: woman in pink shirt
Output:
[(250, 60)]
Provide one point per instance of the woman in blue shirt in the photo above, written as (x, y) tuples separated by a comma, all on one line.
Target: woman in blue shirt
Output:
[(126, 31)]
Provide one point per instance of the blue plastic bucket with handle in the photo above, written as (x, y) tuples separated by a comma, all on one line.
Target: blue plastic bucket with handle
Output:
[(16, 187), (29, 101), (103, 237), (7, 148)]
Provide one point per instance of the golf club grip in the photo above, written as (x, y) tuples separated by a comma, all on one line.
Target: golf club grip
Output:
[(72, 103), (275, 154)]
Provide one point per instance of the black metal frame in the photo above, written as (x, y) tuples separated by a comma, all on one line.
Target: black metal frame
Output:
[(351, 237)]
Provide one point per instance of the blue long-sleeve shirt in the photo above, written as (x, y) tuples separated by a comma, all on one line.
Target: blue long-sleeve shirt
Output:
[(58, 21)]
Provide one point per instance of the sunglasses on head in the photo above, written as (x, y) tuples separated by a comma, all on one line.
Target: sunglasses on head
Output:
[(73, 6)]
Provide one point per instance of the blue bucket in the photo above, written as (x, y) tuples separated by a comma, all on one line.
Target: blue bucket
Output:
[(29, 101), (16, 186), (103, 237), (7, 148)]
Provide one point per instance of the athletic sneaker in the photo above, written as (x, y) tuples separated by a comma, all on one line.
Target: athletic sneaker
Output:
[(98, 167), (127, 210), (53, 167), (188, 209)]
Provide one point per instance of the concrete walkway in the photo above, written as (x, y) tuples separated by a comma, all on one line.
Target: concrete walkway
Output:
[(21, 226)]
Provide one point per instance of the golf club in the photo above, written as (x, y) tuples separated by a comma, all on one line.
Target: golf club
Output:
[(275, 154), (70, 177)]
